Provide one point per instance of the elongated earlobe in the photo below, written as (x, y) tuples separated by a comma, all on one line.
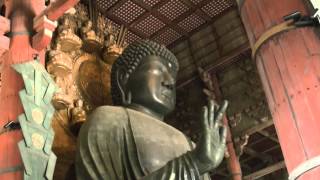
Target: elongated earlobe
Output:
[(122, 79)]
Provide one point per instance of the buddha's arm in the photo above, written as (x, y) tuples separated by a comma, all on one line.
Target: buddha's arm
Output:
[(181, 168), (208, 154)]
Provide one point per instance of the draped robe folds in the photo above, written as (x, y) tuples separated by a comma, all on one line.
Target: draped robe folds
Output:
[(123, 144)]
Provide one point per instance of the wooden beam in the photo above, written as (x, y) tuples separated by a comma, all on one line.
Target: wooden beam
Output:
[(265, 151), (268, 135), (58, 7), (202, 26), (262, 156), (265, 171), (230, 58), (137, 32), (224, 165), (232, 161), (174, 24), (221, 63), (258, 127)]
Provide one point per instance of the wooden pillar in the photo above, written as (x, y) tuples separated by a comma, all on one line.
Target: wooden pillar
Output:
[(233, 160), (289, 67), (30, 32), (21, 14)]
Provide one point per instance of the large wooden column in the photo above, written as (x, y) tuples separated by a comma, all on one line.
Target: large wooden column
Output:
[(289, 66), (21, 14), (32, 24)]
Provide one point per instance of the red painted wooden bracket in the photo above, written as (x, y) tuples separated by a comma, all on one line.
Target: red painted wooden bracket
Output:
[(4, 40), (4, 44), (44, 28), (41, 39), (42, 22), (45, 23), (58, 8), (4, 25)]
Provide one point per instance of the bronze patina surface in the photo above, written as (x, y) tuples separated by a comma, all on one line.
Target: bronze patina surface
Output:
[(131, 141)]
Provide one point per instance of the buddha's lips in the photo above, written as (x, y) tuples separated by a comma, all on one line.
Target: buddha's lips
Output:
[(166, 92)]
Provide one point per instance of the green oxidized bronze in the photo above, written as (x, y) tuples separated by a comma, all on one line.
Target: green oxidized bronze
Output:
[(130, 141)]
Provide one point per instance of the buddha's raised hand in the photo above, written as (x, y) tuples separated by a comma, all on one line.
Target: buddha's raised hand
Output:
[(211, 146)]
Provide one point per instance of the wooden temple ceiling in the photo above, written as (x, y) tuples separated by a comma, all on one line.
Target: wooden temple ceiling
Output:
[(163, 21)]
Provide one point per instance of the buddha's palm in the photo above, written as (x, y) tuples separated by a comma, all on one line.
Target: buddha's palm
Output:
[(211, 146)]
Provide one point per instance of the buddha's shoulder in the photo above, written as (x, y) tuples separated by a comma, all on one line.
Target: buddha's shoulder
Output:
[(109, 116), (109, 110)]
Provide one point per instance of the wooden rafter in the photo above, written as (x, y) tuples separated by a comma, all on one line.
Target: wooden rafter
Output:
[(173, 24), (232, 57), (268, 135), (265, 171), (231, 8), (263, 156), (192, 8), (258, 127), (265, 151)]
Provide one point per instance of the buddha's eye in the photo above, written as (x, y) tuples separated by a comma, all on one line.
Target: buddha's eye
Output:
[(170, 65)]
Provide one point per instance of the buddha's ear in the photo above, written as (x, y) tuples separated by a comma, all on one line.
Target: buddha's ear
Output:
[(122, 80)]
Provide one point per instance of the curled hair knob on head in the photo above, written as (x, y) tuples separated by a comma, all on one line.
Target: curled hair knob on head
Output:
[(130, 59)]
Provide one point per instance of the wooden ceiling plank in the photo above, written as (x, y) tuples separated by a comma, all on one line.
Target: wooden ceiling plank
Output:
[(221, 63), (262, 156), (203, 15), (160, 4), (169, 23), (174, 24), (154, 11), (265, 151), (230, 58), (265, 171), (214, 32), (132, 29), (258, 127), (116, 5), (268, 135), (140, 18), (142, 4), (231, 8)]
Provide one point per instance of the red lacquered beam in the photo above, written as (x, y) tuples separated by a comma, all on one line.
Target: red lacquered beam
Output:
[(58, 7)]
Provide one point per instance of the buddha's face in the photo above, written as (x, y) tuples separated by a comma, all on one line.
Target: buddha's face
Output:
[(152, 85)]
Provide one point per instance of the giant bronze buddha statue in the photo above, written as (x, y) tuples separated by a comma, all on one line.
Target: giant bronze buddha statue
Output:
[(130, 141)]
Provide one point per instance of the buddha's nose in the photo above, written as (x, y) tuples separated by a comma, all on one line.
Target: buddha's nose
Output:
[(168, 81), (168, 85)]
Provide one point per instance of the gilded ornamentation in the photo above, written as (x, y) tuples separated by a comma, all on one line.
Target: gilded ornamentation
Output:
[(78, 116), (91, 42), (113, 46), (78, 67), (93, 80), (64, 97), (59, 64), (67, 39)]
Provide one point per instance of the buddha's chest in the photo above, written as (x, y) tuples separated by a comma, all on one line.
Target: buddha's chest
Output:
[(157, 143)]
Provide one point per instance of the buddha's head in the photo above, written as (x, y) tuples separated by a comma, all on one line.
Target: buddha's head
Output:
[(144, 76)]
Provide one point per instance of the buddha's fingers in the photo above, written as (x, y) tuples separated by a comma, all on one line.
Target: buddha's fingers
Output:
[(205, 121), (223, 135), (211, 114), (220, 114)]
